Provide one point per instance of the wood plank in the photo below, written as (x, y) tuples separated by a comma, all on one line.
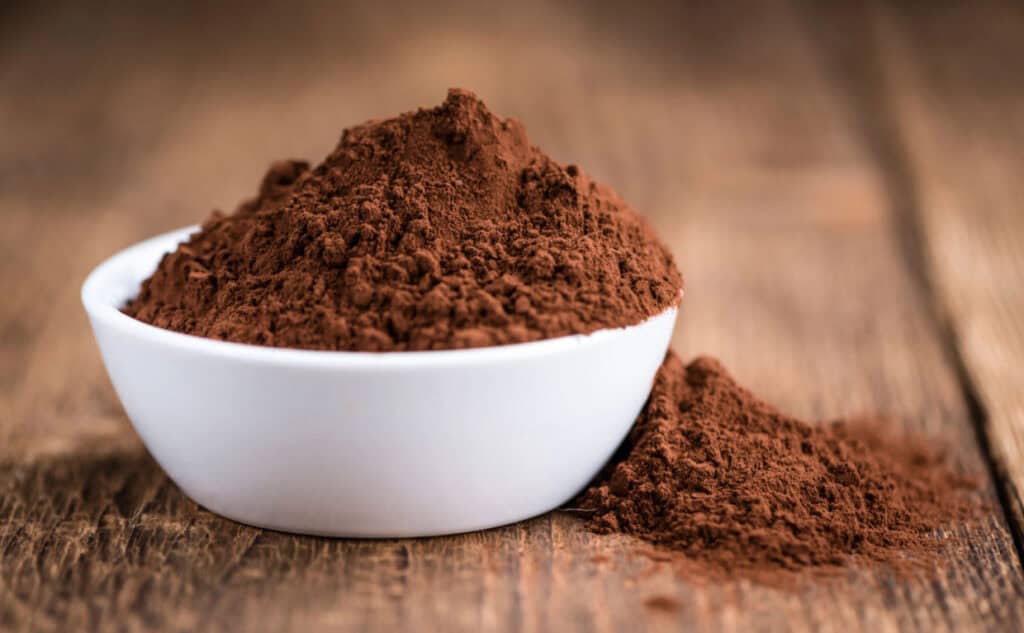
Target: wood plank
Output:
[(774, 204), (958, 101)]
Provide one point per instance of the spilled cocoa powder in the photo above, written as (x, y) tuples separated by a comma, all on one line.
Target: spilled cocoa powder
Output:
[(442, 228), (732, 487)]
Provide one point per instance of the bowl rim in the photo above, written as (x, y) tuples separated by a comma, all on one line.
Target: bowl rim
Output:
[(102, 309)]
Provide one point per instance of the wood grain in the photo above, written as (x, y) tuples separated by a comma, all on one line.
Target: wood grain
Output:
[(745, 147), (960, 119)]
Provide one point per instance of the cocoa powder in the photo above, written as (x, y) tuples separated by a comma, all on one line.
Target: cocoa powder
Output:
[(729, 483), (444, 228), (441, 228)]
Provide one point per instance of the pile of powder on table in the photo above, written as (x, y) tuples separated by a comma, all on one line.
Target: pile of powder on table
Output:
[(442, 228), (732, 484)]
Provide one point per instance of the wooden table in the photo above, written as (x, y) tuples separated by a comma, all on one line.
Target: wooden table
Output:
[(842, 185)]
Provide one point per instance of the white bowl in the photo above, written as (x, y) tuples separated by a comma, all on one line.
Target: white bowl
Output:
[(370, 444)]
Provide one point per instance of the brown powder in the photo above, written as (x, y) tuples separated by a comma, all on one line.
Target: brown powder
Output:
[(730, 483), (442, 228)]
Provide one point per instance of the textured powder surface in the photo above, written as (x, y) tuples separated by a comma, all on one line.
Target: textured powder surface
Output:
[(729, 482), (441, 228)]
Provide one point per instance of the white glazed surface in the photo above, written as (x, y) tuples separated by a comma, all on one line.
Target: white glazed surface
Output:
[(364, 444)]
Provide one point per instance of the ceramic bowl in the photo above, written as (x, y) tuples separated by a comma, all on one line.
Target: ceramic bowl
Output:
[(370, 444)]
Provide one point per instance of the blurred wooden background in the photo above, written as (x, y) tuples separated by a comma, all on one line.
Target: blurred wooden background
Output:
[(841, 182)]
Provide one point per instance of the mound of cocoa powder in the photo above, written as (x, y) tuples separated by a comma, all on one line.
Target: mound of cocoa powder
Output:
[(729, 483), (441, 228)]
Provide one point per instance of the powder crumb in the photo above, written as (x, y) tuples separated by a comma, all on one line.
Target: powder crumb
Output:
[(665, 604), (729, 487), (441, 228)]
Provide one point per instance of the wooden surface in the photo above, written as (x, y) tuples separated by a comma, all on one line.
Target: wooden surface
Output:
[(964, 147), (841, 185)]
